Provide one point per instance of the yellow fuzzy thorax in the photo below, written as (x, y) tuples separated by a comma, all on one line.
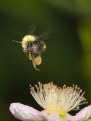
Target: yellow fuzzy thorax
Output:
[(28, 38)]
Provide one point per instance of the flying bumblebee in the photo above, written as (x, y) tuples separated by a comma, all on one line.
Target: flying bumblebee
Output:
[(33, 46)]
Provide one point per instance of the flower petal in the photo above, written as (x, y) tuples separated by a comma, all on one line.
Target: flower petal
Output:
[(70, 117), (84, 114), (25, 112), (52, 117)]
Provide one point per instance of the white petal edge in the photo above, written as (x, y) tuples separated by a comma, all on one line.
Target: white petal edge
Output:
[(25, 112), (84, 114)]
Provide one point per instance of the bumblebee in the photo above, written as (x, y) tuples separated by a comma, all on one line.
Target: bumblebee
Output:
[(33, 46)]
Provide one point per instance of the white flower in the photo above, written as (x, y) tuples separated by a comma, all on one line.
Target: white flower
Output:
[(56, 102), (84, 114), (25, 113)]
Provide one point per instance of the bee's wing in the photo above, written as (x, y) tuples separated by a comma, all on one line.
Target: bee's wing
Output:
[(32, 29), (45, 35)]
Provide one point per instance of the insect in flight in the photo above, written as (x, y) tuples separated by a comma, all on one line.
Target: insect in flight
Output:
[(33, 46)]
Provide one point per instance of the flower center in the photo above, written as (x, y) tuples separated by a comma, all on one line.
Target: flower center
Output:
[(61, 113)]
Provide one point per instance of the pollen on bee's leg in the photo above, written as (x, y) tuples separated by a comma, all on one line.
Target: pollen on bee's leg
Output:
[(38, 60), (30, 58), (34, 65)]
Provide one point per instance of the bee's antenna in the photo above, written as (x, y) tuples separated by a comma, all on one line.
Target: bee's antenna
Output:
[(15, 41)]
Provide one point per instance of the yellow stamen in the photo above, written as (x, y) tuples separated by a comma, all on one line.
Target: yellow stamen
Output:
[(61, 113)]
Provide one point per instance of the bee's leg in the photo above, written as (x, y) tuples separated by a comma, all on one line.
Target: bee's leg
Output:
[(30, 56), (38, 60), (34, 65)]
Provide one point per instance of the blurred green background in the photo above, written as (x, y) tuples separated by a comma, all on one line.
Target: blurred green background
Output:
[(67, 59)]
